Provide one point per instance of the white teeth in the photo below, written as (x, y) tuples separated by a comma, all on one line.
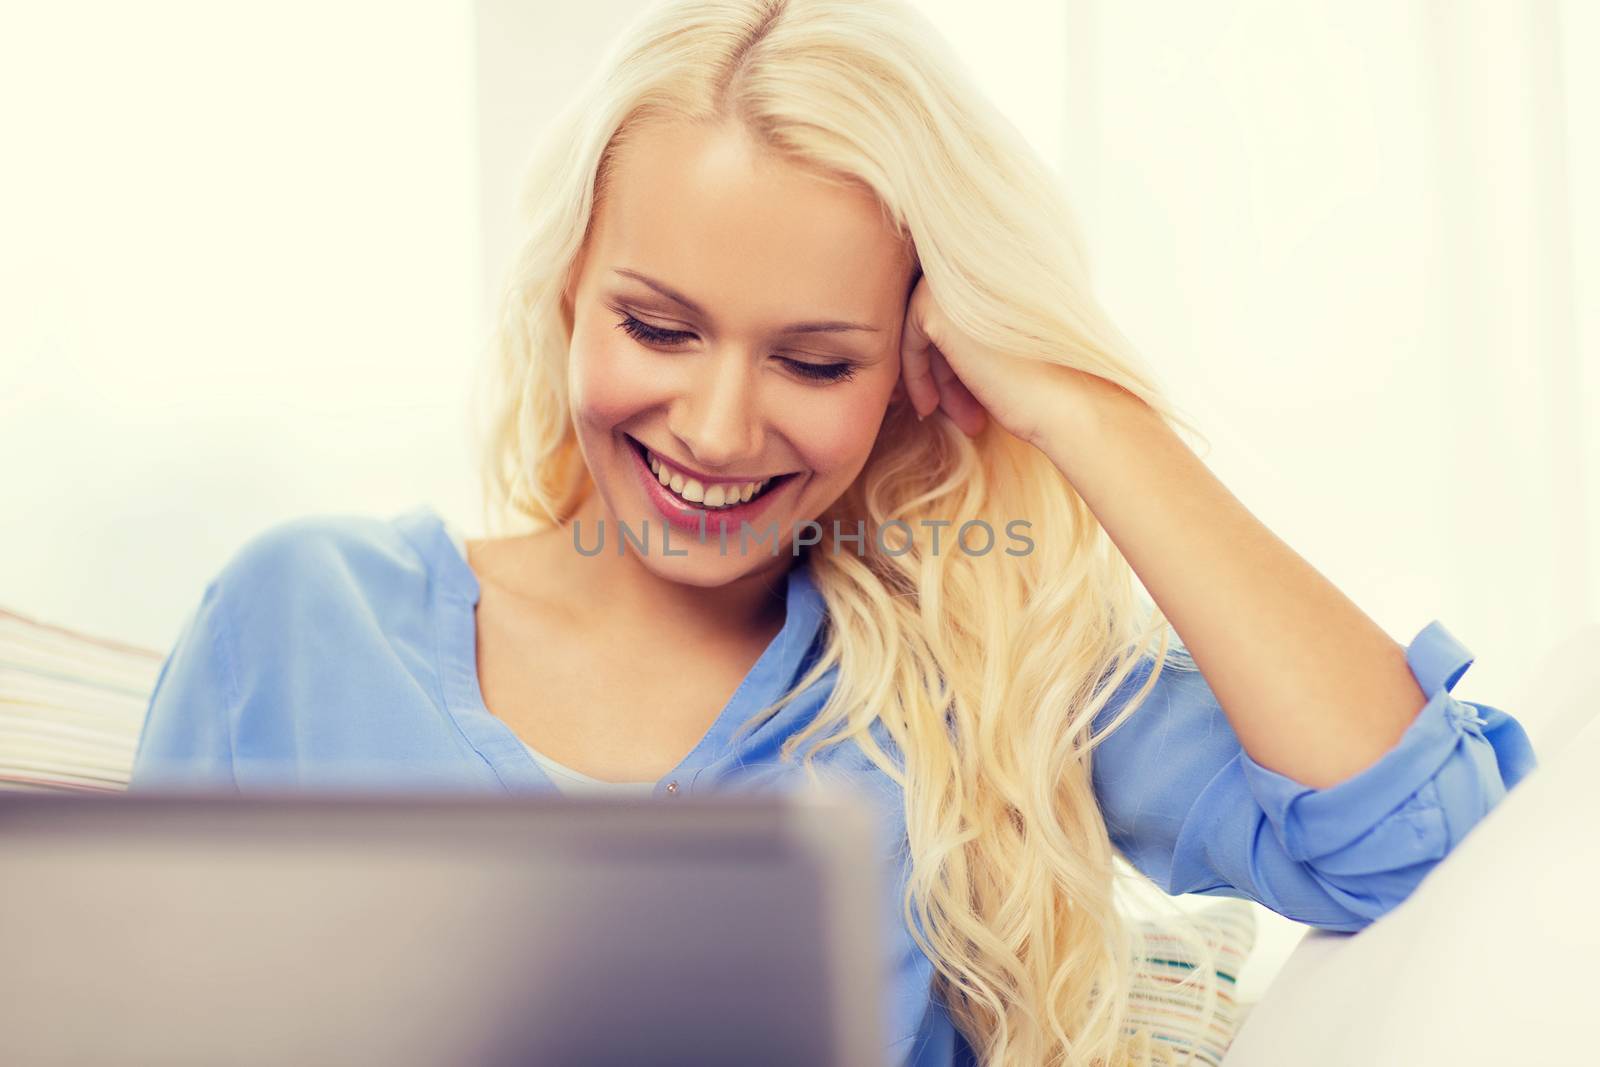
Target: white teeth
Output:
[(723, 495)]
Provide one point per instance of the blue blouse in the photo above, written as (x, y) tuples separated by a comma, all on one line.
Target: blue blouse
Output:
[(336, 652)]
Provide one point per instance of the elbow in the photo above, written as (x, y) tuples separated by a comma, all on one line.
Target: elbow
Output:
[(1374, 875), (1351, 904)]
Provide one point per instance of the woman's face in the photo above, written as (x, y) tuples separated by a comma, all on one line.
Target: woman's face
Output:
[(691, 346)]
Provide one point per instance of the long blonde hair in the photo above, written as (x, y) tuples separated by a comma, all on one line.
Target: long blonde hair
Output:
[(986, 671)]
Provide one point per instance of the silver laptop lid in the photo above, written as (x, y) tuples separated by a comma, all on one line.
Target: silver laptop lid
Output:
[(460, 930)]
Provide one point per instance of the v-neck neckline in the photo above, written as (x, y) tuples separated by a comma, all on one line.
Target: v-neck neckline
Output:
[(456, 593)]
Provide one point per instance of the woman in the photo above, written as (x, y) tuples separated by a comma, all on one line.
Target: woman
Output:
[(788, 274)]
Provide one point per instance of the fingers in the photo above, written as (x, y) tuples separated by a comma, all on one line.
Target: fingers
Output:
[(963, 408), (929, 380), (916, 370)]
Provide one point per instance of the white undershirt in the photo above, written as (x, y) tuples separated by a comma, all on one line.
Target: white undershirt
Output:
[(565, 778)]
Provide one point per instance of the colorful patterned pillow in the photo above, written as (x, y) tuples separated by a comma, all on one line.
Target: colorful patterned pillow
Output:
[(1168, 1005), (71, 707)]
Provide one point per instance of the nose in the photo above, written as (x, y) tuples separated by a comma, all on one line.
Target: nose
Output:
[(718, 418)]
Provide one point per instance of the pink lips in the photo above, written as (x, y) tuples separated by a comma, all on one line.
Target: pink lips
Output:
[(688, 518)]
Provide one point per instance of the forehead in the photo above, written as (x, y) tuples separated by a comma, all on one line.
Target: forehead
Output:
[(733, 225)]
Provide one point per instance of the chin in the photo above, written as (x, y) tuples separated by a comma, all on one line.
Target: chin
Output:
[(707, 574)]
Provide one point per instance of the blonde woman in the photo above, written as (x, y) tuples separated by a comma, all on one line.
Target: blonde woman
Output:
[(812, 452)]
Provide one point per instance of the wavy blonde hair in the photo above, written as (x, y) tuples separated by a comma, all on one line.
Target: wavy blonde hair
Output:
[(987, 671)]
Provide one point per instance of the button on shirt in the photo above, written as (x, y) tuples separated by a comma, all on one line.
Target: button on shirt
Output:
[(338, 652)]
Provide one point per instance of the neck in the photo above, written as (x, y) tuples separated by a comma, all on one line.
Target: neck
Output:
[(750, 604)]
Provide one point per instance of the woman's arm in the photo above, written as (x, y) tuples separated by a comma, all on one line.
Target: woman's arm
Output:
[(1314, 688), (1212, 820)]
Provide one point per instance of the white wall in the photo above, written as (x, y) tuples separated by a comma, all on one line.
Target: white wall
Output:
[(1340, 229), (241, 281)]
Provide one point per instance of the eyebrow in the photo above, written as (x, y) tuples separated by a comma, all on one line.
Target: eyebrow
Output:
[(827, 326)]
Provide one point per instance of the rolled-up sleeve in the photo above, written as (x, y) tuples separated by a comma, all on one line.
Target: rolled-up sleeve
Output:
[(1188, 806)]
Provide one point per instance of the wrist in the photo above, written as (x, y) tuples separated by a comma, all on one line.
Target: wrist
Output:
[(1092, 410)]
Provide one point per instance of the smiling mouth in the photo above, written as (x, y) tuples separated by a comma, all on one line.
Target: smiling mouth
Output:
[(687, 489)]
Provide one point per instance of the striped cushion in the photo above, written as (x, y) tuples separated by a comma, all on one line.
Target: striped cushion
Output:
[(1174, 1014), (71, 707)]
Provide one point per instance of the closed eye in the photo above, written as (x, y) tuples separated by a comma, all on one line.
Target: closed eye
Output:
[(643, 331), (654, 335), (822, 372)]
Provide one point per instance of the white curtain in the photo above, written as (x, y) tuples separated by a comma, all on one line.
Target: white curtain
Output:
[(1359, 239)]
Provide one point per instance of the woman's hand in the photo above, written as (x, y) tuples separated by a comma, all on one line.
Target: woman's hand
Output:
[(943, 368)]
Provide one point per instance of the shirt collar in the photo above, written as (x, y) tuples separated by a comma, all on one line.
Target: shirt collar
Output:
[(773, 673)]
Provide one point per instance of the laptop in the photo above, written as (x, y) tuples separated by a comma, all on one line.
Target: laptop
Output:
[(185, 928)]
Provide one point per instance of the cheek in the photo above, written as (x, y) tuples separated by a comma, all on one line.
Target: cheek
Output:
[(835, 434), (608, 381)]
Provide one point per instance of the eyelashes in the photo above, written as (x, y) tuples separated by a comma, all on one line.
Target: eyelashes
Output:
[(652, 335), (643, 331)]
